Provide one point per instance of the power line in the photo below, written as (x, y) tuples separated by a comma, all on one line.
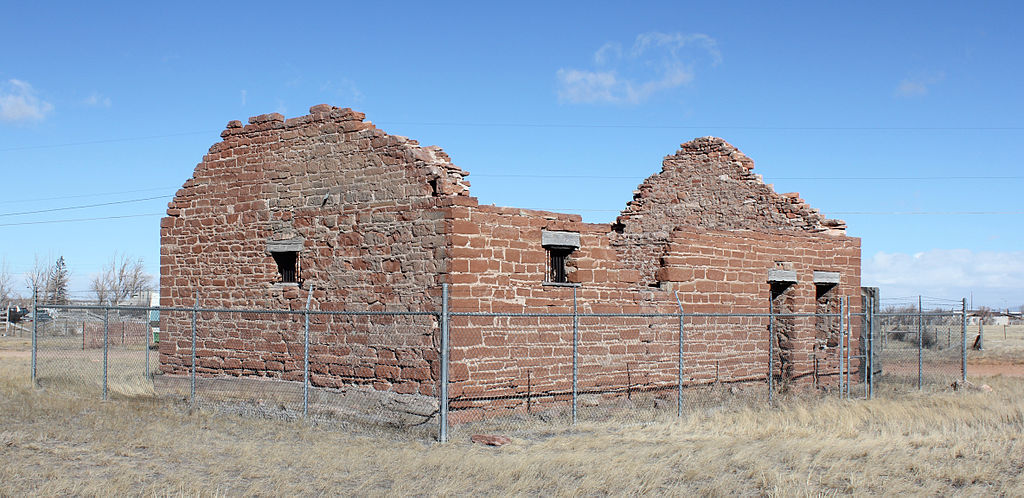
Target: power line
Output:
[(84, 206), (927, 213), (872, 213), (79, 196), (713, 127), (888, 178), (574, 210), (106, 141), (571, 125), (773, 178), (79, 219)]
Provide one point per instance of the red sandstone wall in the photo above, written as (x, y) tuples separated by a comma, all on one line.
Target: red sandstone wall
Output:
[(498, 265), (728, 270), (367, 207), (385, 221)]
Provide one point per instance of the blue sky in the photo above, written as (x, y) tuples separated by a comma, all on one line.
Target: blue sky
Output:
[(869, 110)]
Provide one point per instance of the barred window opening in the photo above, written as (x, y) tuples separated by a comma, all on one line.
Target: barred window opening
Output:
[(557, 258), (287, 265)]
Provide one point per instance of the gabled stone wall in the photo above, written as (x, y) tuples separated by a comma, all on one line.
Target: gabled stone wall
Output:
[(362, 207), (707, 184)]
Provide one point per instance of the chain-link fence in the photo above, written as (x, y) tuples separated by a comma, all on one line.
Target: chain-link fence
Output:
[(920, 345), (104, 352), (425, 373)]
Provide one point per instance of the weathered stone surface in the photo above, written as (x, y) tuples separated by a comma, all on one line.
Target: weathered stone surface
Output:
[(826, 277), (786, 276), (560, 239)]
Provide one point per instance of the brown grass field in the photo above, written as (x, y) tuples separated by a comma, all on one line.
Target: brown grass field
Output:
[(57, 442)]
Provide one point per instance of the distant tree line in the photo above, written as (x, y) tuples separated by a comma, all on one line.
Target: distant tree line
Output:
[(120, 280)]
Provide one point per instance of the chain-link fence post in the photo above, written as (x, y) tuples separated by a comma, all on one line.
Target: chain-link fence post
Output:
[(682, 335), (865, 348), (35, 321), (963, 340), (305, 357), (149, 337), (106, 342), (920, 345), (981, 333), (871, 348), (849, 347), (842, 310), (575, 365), (442, 431), (771, 348), (192, 369)]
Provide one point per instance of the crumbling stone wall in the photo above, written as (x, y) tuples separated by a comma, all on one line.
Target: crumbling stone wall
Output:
[(709, 184), (381, 223), (363, 208)]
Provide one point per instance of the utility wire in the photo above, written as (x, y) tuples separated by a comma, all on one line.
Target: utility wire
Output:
[(927, 213), (572, 125), (866, 213), (79, 219), (716, 127), (107, 141), (773, 178), (84, 206), (97, 194)]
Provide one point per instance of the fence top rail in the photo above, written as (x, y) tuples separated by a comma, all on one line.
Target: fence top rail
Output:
[(233, 310), (924, 313), (101, 307), (646, 315)]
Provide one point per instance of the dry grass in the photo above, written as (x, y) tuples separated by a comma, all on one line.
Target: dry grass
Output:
[(53, 443), (1003, 344)]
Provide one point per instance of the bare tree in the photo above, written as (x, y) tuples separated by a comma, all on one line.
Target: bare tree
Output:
[(6, 285), (120, 279), (984, 313), (38, 278)]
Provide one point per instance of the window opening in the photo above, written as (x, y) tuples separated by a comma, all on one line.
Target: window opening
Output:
[(287, 265), (557, 257)]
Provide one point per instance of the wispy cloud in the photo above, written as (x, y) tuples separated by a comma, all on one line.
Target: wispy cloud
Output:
[(20, 104), (96, 100), (918, 85), (995, 278), (656, 62), (244, 95), (344, 88)]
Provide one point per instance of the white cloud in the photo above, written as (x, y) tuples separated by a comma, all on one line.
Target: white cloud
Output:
[(656, 62), (244, 95), (19, 103), (96, 100), (919, 85), (344, 88), (588, 86), (994, 278)]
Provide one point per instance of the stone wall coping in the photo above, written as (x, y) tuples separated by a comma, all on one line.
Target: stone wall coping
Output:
[(826, 277), (787, 276), (560, 239)]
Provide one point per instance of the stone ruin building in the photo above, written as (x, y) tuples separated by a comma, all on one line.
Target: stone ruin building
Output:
[(328, 203)]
